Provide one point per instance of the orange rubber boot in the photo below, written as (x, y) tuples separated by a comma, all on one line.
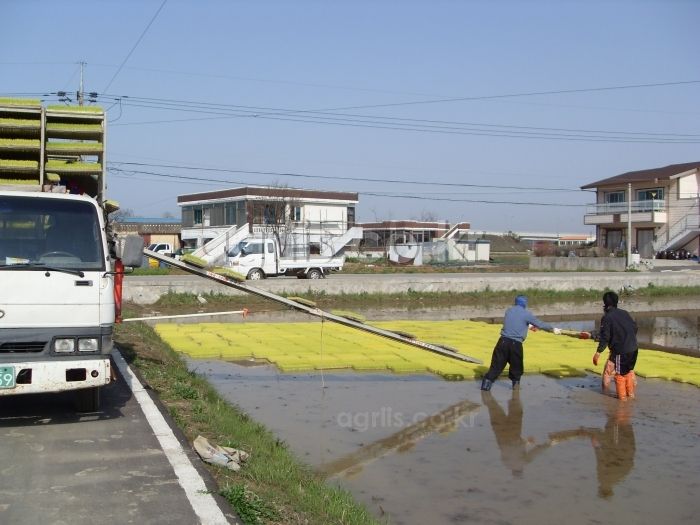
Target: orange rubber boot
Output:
[(621, 386), (630, 383)]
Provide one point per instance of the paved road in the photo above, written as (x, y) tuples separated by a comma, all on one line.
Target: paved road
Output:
[(108, 467)]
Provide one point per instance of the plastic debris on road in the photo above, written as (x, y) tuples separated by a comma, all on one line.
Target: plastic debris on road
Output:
[(228, 457)]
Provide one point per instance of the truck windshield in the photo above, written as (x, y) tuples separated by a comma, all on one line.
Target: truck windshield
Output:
[(51, 232)]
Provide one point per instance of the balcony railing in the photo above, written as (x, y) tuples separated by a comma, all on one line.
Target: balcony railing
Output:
[(622, 207)]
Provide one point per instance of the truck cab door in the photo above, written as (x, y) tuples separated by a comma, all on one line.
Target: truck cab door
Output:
[(269, 258)]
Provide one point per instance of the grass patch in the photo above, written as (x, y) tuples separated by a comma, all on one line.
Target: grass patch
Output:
[(250, 507), (274, 486), (519, 263)]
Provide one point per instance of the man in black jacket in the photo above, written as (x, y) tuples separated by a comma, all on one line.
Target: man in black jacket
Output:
[(618, 331)]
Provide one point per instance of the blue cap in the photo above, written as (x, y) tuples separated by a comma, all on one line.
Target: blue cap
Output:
[(521, 300)]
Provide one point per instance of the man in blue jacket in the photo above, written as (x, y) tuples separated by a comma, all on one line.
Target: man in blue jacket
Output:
[(509, 348)]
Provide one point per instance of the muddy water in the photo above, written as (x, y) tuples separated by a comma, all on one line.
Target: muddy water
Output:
[(416, 449)]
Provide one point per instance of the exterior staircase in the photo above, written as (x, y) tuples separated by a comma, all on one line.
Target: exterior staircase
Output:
[(336, 244), (214, 252), (681, 233)]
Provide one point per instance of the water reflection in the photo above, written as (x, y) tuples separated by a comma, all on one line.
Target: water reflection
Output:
[(442, 422), (614, 446), (516, 451)]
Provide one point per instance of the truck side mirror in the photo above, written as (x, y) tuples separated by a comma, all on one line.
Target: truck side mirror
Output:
[(130, 250)]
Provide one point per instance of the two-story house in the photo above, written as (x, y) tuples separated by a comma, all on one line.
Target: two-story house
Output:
[(308, 221), (664, 205)]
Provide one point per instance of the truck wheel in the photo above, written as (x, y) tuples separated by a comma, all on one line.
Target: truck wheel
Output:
[(256, 274), (314, 273), (87, 399)]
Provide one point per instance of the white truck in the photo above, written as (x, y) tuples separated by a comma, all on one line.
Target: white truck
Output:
[(60, 279), (258, 258)]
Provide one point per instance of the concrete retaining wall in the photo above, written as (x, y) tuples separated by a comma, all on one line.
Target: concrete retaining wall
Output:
[(573, 264), (147, 290)]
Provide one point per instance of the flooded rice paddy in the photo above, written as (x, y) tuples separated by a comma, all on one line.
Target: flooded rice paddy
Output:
[(417, 449)]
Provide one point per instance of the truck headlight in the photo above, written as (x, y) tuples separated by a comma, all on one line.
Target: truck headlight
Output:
[(89, 344), (64, 345)]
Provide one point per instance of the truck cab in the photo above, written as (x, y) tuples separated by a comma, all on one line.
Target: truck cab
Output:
[(57, 307), (255, 258)]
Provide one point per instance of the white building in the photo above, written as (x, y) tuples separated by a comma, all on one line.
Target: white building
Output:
[(308, 221)]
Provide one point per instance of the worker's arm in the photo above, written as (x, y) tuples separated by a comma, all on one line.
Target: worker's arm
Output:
[(539, 324), (604, 338)]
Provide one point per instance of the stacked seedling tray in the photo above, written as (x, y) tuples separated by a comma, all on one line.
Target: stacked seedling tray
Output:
[(20, 143), (58, 148), (74, 148)]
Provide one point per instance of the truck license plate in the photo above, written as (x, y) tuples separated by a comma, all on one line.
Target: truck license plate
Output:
[(7, 376)]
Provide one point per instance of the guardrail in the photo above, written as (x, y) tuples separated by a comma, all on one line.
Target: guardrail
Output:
[(622, 207)]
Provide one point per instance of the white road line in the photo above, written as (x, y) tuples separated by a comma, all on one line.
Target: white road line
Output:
[(203, 504)]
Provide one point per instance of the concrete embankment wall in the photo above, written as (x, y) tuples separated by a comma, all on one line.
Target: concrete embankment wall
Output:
[(573, 264), (147, 290)]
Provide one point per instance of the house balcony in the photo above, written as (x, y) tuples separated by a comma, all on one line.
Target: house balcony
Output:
[(647, 213)]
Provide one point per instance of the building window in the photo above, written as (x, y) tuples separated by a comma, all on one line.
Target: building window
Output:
[(351, 216), (613, 197), (614, 240), (231, 213), (296, 214), (198, 216), (650, 194)]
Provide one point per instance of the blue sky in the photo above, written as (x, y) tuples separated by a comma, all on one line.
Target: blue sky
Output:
[(231, 85)]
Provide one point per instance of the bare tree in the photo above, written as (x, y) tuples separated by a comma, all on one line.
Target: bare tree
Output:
[(278, 215), (428, 216)]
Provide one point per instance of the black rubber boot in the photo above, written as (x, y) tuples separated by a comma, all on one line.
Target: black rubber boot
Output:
[(486, 384)]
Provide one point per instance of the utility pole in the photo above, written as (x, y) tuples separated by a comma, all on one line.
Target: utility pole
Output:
[(629, 224), (81, 92)]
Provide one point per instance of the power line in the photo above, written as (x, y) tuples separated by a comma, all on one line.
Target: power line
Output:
[(383, 195), (523, 94), (473, 201), (283, 111), (135, 45), (405, 124), (328, 177)]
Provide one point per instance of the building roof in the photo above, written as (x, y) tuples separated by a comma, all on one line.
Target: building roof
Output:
[(664, 173), (148, 225), (410, 225), (262, 191), (149, 220)]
